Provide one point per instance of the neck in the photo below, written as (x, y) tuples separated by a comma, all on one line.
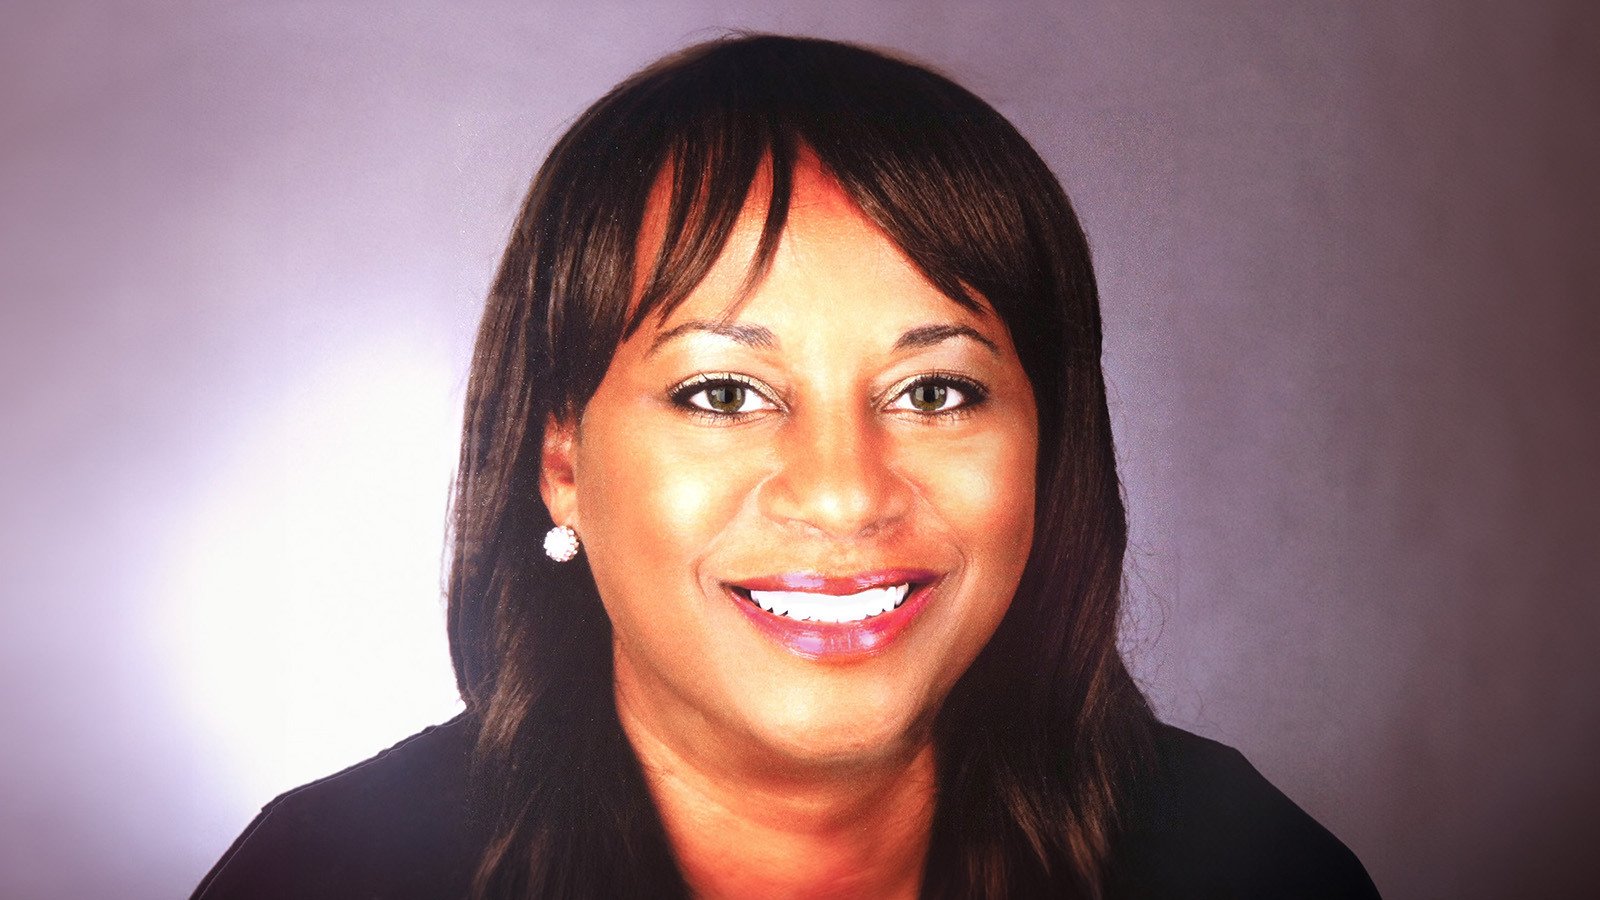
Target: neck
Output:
[(744, 827)]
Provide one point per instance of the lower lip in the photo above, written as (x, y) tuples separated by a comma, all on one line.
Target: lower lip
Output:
[(835, 640)]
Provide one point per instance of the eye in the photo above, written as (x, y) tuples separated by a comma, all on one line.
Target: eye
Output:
[(721, 395), (937, 394), (931, 397)]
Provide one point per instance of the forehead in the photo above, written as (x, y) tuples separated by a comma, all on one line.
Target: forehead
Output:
[(830, 254)]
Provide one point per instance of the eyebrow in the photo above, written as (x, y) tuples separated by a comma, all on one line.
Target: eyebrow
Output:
[(928, 335), (749, 335), (758, 336)]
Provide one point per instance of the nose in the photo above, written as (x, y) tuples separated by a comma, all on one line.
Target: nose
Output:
[(836, 476)]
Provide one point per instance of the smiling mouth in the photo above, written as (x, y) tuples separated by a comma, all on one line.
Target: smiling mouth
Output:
[(808, 606), (835, 617)]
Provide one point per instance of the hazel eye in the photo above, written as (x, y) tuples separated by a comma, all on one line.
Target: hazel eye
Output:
[(723, 397), (931, 397), (937, 395)]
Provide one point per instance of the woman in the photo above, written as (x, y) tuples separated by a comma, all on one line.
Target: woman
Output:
[(800, 345)]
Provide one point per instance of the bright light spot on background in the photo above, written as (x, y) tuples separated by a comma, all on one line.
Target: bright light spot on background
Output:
[(309, 620)]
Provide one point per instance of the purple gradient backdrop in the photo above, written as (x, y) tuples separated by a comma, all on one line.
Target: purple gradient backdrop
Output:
[(1349, 274)]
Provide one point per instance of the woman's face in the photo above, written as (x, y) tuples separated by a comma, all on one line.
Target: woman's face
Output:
[(755, 494)]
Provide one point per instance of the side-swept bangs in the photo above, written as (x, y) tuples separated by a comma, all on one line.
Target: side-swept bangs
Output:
[(945, 177)]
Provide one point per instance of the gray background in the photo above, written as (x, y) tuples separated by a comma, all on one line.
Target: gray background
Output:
[(1347, 254)]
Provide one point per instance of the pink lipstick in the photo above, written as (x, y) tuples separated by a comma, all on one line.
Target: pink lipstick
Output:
[(834, 617)]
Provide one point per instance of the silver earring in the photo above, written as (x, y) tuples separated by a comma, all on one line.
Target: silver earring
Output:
[(561, 543)]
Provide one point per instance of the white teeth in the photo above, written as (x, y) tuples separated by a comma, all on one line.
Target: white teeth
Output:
[(808, 606)]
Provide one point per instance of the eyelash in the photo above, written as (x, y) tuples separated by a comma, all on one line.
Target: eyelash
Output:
[(972, 394), (700, 384)]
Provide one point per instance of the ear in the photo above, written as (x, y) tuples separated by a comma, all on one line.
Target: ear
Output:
[(558, 470)]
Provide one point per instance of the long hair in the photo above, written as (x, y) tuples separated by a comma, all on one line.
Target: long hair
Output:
[(1036, 741)]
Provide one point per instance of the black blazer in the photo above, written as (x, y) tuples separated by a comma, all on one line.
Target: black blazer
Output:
[(1205, 826)]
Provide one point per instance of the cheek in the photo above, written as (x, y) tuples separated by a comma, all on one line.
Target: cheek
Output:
[(982, 490), (648, 502)]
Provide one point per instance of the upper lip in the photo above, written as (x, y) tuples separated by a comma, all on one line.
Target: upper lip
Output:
[(837, 585)]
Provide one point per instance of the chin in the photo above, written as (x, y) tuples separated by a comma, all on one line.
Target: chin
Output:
[(813, 732)]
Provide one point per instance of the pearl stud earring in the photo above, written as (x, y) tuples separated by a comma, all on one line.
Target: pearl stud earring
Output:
[(561, 543)]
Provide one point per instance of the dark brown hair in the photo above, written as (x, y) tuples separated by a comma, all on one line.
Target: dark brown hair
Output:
[(1035, 742)]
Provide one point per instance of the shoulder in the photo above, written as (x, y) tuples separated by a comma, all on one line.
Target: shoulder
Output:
[(1203, 823), (393, 827)]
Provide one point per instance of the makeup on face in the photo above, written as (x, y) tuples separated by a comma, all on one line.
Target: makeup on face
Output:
[(805, 509), (834, 617)]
